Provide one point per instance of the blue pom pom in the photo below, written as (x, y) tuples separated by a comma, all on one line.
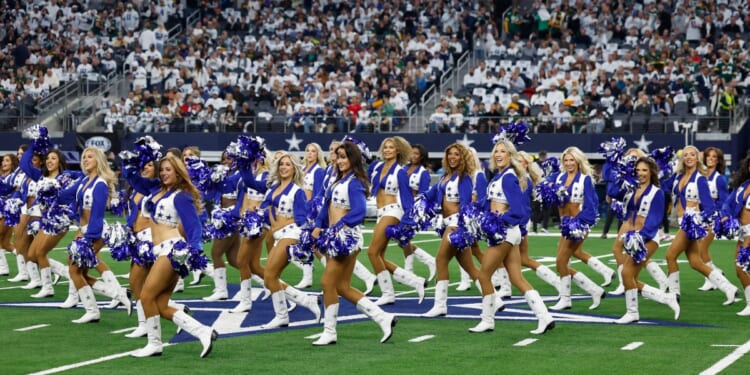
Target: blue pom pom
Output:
[(338, 241), (728, 228), (573, 229), (251, 224), (223, 223), (403, 233), (57, 219), (693, 226), (186, 258), (462, 238), (33, 227), (551, 193), (300, 254), (493, 228), (619, 209), (120, 240), (12, 211), (663, 157), (313, 208), (613, 149), (516, 133), (634, 246), (143, 254), (422, 212), (48, 190), (40, 141), (81, 253), (118, 204), (624, 171), (551, 165), (743, 258), (246, 151), (146, 150), (366, 154)]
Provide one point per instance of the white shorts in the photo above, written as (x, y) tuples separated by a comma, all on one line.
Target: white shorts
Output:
[(165, 246), (743, 233), (144, 235), (513, 235), (35, 210), (689, 210), (290, 231), (392, 210), (450, 221)]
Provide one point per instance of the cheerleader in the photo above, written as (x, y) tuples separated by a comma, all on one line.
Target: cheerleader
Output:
[(90, 196), (479, 193), (285, 203), (717, 184), (390, 186), (21, 237), (737, 207), (534, 176), (644, 206), (313, 186), (173, 205), (506, 204), (8, 172), (453, 191), (342, 213), (419, 182), (576, 215), (695, 208)]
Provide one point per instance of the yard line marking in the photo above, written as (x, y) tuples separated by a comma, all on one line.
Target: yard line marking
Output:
[(422, 338), (11, 287), (29, 328), (724, 346), (314, 336), (728, 360), (525, 342), (123, 330), (632, 346), (89, 362)]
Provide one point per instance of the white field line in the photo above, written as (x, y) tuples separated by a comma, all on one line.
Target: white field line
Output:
[(422, 338), (525, 342), (728, 360), (29, 328), (86, 363), (117, 332), (632, 346)]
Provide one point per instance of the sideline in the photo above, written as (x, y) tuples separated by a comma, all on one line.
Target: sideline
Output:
[(728, 360)]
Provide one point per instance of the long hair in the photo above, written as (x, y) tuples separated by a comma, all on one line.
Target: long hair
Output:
[(637, 152), (700, 166), (515, 162), (13, 161), (61, 166), (533, 169), (423, 159), (299, 173), (130, 189), (193, 149), (334, 145), (653, 169), (465, 164), (103, 170), (583, 164), (174, 151), (357, 166), (403, 148), (183, 182), (741, 175), (721, 164), (321, 160)]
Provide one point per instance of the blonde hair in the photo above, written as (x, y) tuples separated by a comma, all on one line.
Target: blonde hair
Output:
[(515, 162), (334, 145), (299, 174), (637, 152), (403, 149), (321, 158), (700, 166), (104, 171), (533, 169), (185, 183), (193, 149), (465, 164), (583, 164)]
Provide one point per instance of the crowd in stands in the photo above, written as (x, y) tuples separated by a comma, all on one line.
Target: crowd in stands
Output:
[(591, 66), (317, 66)]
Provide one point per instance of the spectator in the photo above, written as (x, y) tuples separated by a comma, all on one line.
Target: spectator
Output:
[(228, 120)]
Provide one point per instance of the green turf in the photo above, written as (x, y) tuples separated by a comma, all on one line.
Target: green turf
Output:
[(569, 348)]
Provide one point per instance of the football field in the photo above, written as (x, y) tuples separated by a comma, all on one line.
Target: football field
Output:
[(37, 337)]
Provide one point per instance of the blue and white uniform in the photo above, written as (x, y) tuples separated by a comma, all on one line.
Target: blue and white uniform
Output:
[(734, 204), (289, 203), (505, 188), (348, 193), (174, 208), (456, 189), (582, 192), (717, 185), (650, 205), (419, 179), (89, 194), (695, 190), (395, 182), (313, 180)]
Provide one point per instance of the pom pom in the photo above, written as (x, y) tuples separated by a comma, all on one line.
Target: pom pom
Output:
[(81, 253), (551, 193), (728, 228), (619, 209), (306, 240), (120, 240), (301, 254), (624, 172), (128, 159), (403, 233), (693, 226), (422, 212), (39, 136), (573, 229), (251, 224), (338, 241), (551, 166), (634, 246), (186, 258), (493, 228), (12, 211), (223, 223), (33, 227), (146, 150), (613, 149), (313, 208), (118, 203), (743, 258), (246, 151), (516, 133), (144, 254), (462, 237), (48, 190), (57, 219), (663, 157), (366, 154), (219, 173)]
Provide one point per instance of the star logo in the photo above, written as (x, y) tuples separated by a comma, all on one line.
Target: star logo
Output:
[(465, 141), (294, 142), (643, 143)]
